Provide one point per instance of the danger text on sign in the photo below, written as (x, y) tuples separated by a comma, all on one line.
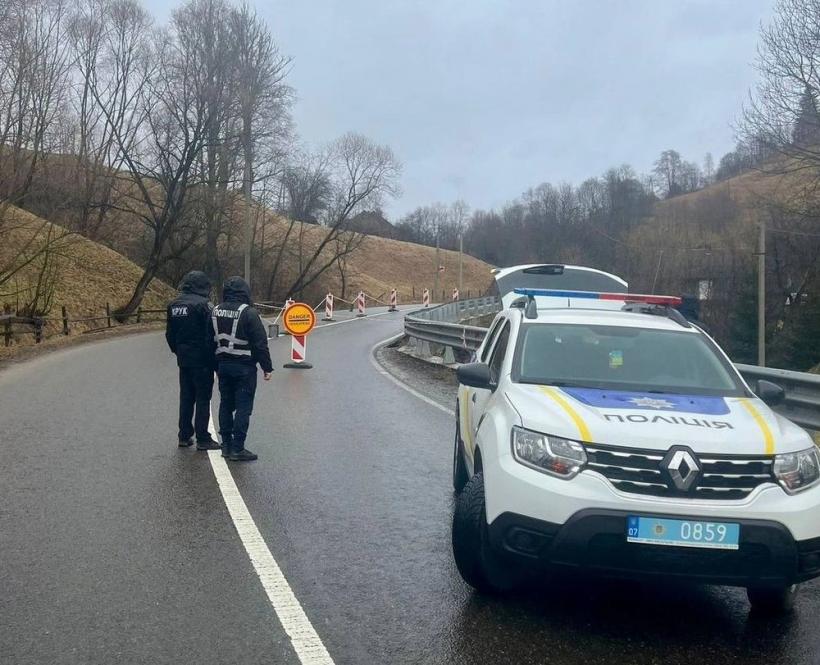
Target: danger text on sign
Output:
[(299, 319)]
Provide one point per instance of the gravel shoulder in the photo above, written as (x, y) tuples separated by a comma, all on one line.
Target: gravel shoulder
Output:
[(438, 382)]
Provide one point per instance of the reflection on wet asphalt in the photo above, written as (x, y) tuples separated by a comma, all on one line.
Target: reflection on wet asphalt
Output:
[(116, 547)]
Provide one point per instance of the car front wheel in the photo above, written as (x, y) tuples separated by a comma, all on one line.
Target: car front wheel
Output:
[(772, 600), (477, 563)]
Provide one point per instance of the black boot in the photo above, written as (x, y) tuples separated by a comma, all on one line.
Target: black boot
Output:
[(184, 443), (242, 455), (207, 444), (226, 447)]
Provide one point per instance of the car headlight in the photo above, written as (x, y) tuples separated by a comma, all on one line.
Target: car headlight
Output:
[(551, 454), (797, 471)]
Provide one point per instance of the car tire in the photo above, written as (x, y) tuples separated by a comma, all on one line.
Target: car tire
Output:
[(772, 600), (478, 565), (460, 475)]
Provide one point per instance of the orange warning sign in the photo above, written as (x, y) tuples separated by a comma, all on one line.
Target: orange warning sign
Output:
[(299, 319)]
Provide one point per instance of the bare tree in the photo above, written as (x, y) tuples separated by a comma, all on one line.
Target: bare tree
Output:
[(204, 27), (781, 115), (361, 174), (34, 62), (307, 188), (262, 97), (161, 146)]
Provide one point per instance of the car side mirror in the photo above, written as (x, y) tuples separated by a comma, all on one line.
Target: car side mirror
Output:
[(771, 393), (475, 375)]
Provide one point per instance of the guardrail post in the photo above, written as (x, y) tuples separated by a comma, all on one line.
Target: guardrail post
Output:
[(65, 321), (38, 331), (139, 314), (108, 313), (7, 325)]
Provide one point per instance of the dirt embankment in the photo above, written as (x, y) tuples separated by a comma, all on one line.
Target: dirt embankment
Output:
[(74, 273)]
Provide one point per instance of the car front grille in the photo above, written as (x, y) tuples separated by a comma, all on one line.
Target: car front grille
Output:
[(721, 477)]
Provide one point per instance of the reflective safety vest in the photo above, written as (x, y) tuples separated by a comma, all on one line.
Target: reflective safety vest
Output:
[(226, 323)]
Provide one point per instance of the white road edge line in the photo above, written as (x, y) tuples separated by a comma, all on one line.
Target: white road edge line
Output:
[(306, 642), (381, 370)]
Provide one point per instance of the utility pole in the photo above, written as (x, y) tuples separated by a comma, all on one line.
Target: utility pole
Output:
[(761, 295), (438, 265), (460, 262)]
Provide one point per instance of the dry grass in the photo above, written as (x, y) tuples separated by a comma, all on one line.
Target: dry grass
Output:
[(751, 192), (89, 275), (377, 266)]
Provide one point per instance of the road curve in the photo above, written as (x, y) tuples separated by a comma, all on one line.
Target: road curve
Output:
[(116, 547)]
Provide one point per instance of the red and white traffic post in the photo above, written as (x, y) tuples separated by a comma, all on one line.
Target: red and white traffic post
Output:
[(394, 301), (328, 307), (298, 348), (455, 294), (360, 305), (299, 320), (425, 297)]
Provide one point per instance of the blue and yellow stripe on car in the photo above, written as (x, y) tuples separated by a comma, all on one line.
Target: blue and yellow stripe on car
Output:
[(760, 421), (557, 396)]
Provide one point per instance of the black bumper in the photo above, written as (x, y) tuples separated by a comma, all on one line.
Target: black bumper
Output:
[(595, 541)]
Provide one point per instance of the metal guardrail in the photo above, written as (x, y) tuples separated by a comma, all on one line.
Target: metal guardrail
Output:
[(441, 326), (802, 404)]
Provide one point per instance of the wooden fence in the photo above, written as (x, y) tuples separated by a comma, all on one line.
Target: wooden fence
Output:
[(35, 325)]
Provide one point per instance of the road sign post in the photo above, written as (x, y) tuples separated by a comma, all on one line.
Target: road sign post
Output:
[(298, 320)]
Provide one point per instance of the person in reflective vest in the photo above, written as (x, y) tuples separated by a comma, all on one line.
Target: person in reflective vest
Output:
[(188, 333), (241, 345)]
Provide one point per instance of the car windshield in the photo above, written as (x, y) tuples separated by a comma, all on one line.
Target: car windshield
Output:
[(623, 358)]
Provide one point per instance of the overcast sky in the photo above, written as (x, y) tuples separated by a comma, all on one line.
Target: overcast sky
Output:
[(481, 100)]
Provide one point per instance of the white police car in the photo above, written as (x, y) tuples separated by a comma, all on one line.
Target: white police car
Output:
[(626, 443)]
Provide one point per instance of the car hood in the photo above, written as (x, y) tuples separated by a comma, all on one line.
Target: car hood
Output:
[(656, 421)]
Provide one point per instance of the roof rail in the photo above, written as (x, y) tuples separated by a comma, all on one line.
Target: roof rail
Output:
[(657, 310), (650, 299), (656, 305)]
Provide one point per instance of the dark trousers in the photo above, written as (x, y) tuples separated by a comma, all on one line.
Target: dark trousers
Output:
[(237, 387), (196, 385)]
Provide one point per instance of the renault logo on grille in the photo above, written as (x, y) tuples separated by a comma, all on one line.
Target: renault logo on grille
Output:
[(683, 468)]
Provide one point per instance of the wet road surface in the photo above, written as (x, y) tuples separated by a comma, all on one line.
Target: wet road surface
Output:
[(116, 547)]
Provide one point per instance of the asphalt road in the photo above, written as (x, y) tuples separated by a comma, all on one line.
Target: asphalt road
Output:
[(117, 547)]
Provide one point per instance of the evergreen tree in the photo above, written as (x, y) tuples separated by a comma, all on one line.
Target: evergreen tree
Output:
[(807, 128)]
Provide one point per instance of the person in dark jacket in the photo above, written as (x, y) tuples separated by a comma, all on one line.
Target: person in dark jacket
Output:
[(241, 344), (190, 337)]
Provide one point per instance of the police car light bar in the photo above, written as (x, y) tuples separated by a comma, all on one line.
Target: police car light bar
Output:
[(668, 301)]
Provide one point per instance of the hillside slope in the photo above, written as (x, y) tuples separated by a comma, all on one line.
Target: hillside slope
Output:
[(376, 266), (86, 275)]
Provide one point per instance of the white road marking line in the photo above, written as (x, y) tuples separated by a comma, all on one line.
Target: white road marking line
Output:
[(381, 370), (303, 637)]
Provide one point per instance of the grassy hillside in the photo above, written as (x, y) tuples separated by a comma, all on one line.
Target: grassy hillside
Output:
[(706, 242), (376, 266), (86, 274)]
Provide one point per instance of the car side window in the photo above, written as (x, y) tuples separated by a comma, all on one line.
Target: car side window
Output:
[(490, 339), (500, 350)]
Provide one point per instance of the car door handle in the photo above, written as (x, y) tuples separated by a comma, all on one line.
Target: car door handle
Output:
[(473, 398)]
